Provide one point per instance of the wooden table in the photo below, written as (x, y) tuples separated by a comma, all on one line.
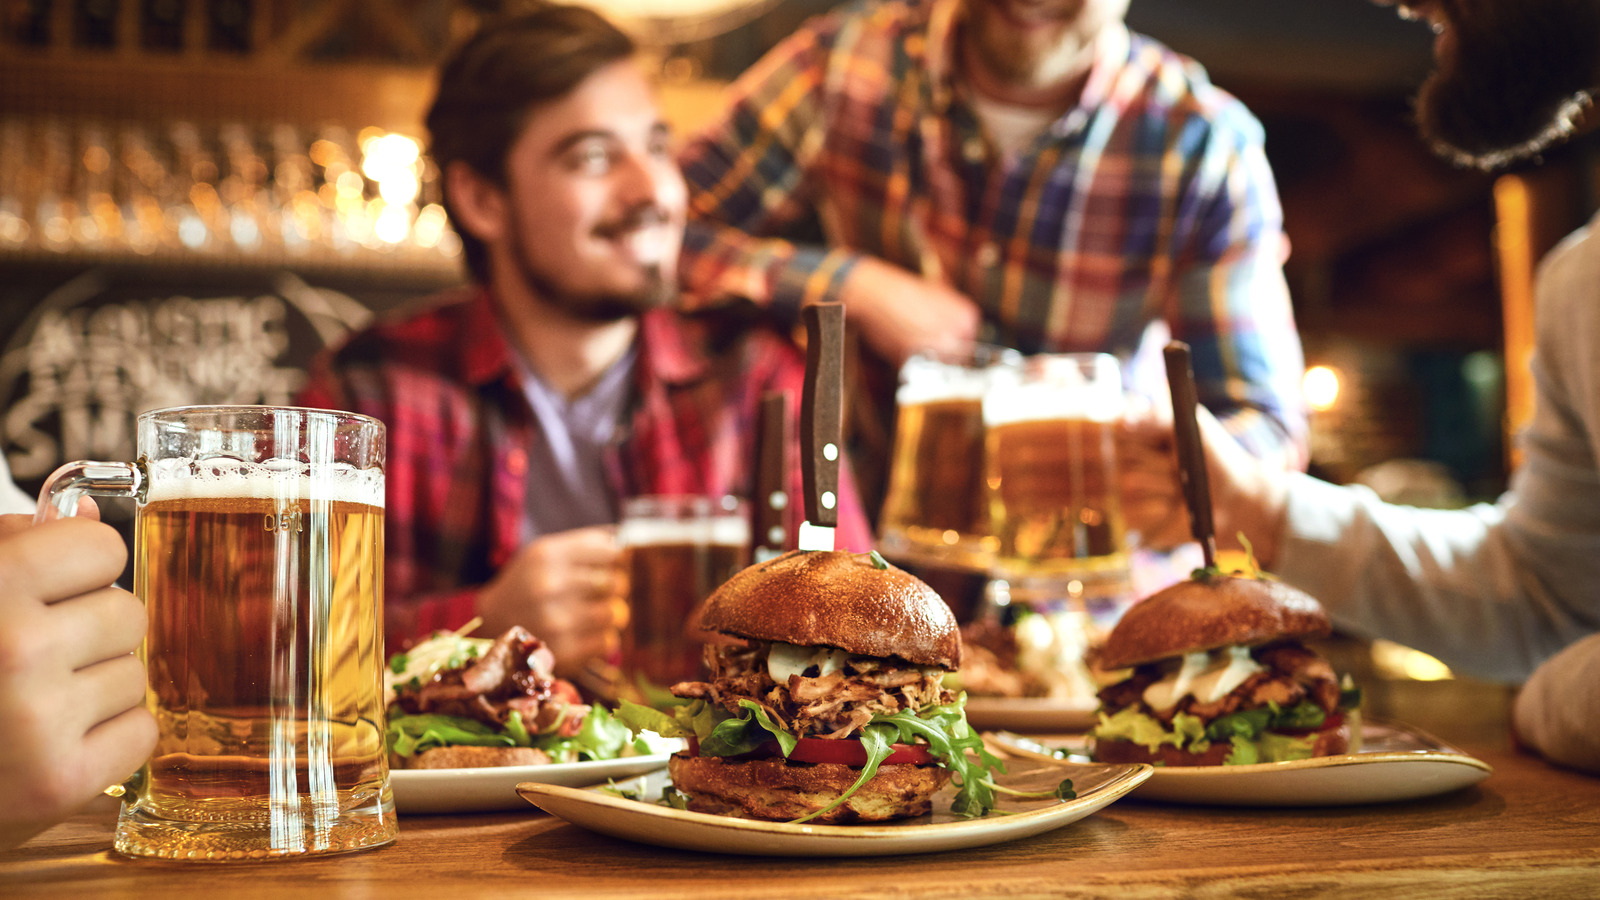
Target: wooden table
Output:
[(1529, 830)]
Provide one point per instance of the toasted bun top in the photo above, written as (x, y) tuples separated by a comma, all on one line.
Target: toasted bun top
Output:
[(1219, 611), (837, 599)]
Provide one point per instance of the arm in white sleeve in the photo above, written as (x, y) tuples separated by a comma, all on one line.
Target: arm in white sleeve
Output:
[(1558, 712)]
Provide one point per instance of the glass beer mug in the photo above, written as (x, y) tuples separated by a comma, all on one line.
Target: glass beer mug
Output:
[(1054, 505), (934, 512), (259, 558)]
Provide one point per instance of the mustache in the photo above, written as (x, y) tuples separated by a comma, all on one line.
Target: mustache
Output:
[(644, 215)]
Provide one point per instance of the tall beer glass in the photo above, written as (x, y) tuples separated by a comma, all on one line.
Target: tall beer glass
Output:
[(259, 556), (1052, 478), (934, 512), (676, 550)]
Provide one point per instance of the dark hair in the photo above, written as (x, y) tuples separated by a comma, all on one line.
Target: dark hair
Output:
[(491, 84)]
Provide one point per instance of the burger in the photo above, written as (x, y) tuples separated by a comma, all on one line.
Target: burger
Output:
[(462, 702), (824, 700), (1220, 676)]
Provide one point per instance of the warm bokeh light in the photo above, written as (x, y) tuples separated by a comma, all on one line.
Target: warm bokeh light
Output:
[(1321, 387), (1392, 660)]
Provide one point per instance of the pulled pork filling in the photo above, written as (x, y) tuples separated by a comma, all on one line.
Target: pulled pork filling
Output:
[(835, 705), (513, 674), (1293, 673)]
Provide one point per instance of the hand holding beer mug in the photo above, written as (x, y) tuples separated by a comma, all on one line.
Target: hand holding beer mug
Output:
[(935, 512), (676, 550), (259, 557)]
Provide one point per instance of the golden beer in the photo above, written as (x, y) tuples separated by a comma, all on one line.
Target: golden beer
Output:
[(264, 659), (935, 504), (676, 550), (1050, 461), (665, 582), (259, 558), (934, 511), (1054, 504)]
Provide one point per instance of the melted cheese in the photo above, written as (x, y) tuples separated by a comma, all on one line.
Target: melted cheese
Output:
[(1207, 676), (784, 660)]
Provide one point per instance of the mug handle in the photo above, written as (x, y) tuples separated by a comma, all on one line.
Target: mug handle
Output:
[(68, 484), (59, 500)]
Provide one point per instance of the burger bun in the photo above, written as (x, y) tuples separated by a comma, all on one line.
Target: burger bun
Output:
[(1207, 613), (837, 599)]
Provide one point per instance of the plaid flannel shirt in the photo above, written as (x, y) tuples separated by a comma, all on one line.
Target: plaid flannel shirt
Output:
[(460, 431), (1151, 200)]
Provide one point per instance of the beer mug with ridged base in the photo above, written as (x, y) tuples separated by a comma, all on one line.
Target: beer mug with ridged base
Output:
[(259, 557)]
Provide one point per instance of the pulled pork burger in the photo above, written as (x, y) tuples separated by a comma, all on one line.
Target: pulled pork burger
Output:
[(826, 702), (462, 702), (1220, 677)]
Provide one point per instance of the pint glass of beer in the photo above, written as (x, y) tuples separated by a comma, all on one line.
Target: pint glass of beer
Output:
[(676, 550), (934, 512), (259, 556), (1052, 479)]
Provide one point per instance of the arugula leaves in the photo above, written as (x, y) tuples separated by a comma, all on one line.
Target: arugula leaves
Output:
[(943, 728), (601, 736)]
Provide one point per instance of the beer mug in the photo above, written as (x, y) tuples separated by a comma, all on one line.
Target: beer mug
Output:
[(1054, 506), (676, 550), (934, 511), (258, 554)]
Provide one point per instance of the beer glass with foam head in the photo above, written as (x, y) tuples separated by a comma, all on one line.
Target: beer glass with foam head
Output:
[(934, 511), (1051, 469), (676, 550), (259, 557)]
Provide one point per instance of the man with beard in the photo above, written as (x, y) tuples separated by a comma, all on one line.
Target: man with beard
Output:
[(1494, 590), (520, 412), (1024, 172)]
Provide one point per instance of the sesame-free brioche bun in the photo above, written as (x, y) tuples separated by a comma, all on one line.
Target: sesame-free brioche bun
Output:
[(778, 790), (837, 599), (1211, 612)]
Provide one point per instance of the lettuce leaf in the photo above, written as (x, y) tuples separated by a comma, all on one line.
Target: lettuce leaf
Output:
[(600, 736), (1129, 724)]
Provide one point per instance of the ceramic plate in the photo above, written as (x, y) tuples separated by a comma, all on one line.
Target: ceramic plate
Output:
[(649, 823), (1032, 715), (1395, 763), (427, 791)]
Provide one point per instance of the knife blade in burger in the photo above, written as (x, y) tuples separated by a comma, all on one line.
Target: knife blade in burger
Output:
[(827, 704), (1220, 677)]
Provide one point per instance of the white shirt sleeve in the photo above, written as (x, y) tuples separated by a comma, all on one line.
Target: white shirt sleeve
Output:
[(1496, 589), (1558, 712)]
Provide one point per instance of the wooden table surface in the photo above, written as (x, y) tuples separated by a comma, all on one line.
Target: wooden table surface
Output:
[(1529, 830)]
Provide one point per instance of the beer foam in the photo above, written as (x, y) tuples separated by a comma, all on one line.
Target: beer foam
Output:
[(726, 530), (276, 479), (1064, 393), (924, 380)]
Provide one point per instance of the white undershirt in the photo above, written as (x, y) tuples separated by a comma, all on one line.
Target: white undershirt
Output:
[(1012, 128)]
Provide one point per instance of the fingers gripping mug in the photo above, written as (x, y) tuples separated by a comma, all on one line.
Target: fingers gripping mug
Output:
[(259, 557)]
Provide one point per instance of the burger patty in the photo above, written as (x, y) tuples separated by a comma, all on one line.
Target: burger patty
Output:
[(834, 705), (1293, 673)]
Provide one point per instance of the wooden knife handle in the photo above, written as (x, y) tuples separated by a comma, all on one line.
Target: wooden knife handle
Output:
[(1191, 452), (769, 532), (822, 412)]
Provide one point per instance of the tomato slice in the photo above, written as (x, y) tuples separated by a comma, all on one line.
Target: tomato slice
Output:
[(844, 751)]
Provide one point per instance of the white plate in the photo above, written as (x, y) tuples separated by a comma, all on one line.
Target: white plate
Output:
[(427, 791), (1031, 714), (649, 823), (1395, 763)]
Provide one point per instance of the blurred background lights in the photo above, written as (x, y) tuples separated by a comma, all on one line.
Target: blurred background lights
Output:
[(1321, 387)]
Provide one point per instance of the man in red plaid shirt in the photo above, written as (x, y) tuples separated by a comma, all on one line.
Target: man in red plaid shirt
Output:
[(520, 412)]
